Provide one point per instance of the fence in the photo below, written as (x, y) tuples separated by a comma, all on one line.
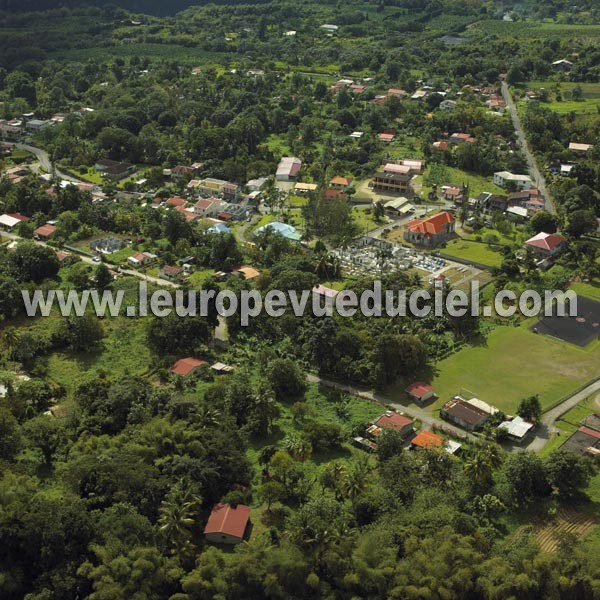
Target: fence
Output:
[(570, 395)]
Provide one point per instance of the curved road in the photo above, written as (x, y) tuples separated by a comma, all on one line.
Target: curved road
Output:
[(46, 163), (534, 171)]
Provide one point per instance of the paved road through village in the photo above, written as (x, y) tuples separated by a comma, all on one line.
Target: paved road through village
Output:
[(534, 171)]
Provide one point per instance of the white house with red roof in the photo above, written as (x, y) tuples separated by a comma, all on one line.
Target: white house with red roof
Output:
[(393, 421), (547, 245), (431, 231), (227, 524), (420, 392)]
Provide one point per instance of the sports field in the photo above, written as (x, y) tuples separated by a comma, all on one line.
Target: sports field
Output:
[(513, 363)]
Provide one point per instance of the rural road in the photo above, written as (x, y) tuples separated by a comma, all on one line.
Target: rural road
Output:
[(45, 162), (543, 433), (534, 171), (414, 411), (548, 425)]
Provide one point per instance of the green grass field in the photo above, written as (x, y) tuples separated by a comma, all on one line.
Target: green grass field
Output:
[(123, 351), (514, 363), (181, 54), (591, 290), (588, 104), (456, 177), (474, 251), (535, 29)]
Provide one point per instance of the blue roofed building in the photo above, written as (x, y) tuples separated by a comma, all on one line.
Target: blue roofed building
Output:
[(218, 228), (287, 231)]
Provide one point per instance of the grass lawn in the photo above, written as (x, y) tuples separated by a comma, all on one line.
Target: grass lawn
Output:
[(515, 237), (456, 177), (121, 256), (588, 104), (514, 363), (199, 278), (278, 145), (296, 201), (474, 251), (364, 220), (404, 147), (123, 351), (590, 290)]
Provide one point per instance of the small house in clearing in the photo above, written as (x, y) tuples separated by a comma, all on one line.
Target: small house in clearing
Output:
[(227, 524), (141, 259), (517, 429), (420, 392), (45, 232), (546, 245), (391, 420), (427, 439), (186, 366), (171, 273)]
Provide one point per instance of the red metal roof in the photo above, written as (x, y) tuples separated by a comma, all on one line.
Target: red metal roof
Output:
[(176, 201), (426, 439), (185, 366), (228, 520), (590, 432), (419, 389), (546, 241), (433, 225), (395, 421), (45, 230)]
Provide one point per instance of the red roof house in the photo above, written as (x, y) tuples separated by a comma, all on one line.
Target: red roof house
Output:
[(420, 392), (391, 421), (547, 244), (430, 231), (427, 439), (185, 366), (226, 524), (340, 183), (176, 202), (45, 232)]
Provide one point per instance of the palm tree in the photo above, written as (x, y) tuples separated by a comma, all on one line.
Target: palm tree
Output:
[(10, 338), (494, 456), (479, 469), (333, 477), (208, 417), (178, 513), (266, 404), (299, 447)]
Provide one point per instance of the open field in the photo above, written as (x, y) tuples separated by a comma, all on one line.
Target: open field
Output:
[(514, 363), (534, 29), (549, 532), (181, 54), (475, 251), (591, 290), (457, 177), (588, 104)]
